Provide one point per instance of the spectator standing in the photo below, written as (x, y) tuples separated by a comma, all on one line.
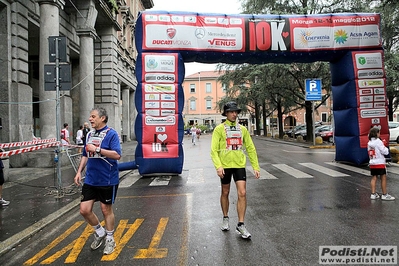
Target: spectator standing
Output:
[(376, 150), (65, 134), (79, 138)]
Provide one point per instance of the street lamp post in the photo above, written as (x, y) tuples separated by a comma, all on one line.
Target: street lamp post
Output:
[(199, 95)]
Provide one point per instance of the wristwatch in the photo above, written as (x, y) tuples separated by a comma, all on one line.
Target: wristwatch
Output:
[(98, 149)]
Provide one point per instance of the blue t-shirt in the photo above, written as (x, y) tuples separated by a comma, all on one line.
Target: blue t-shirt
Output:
[(102, 171)]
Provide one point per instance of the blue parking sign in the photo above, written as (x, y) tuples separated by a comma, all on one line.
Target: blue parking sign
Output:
[(313, 90)]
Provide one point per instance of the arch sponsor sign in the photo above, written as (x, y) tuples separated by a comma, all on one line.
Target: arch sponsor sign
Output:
[(165, 40)]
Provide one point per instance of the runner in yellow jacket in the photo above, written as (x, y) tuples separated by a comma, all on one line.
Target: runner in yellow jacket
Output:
[(229, 140)]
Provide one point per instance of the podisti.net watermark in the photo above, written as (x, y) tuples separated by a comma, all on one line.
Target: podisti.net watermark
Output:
[(358, 254)]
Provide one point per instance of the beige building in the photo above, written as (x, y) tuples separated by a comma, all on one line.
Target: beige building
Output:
[(202, 91)]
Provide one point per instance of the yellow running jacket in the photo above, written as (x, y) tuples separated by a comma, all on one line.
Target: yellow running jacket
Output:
[(227, 148)]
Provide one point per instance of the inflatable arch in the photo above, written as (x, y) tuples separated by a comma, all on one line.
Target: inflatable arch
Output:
[(165, 40)]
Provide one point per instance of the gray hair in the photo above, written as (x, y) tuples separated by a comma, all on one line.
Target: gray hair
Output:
[(101, 112)]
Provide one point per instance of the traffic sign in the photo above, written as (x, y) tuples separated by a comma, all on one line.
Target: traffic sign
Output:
[(313, 90)]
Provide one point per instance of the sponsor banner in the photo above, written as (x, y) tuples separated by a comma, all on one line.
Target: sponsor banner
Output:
[(370, 73), (160, 150), (160, 63), (342, 37), (370, 83), (193, 32), (368, 61), (234, 33), (360, 255), (159, 78), (159, 137), (371, 93)]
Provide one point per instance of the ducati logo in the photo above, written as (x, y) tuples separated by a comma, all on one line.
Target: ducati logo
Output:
[(171, 32)]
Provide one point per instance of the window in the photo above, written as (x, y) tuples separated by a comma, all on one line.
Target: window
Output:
[(208, 104), (324, 117), (208, 88), (224, 87), (192, 88), (192, 105)]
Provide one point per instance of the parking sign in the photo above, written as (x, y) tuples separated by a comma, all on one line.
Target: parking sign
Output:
[(313, 90)]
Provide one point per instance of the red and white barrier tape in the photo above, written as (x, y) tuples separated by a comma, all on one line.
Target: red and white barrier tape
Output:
[(27, 149), (25, 143)]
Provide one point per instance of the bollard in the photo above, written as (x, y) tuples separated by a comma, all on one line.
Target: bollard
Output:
[(319, 140)]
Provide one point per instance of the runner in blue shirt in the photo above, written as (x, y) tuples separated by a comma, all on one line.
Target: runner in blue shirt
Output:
[(100, 155)]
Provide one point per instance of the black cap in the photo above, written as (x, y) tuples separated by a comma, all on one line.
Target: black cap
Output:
[(230, 107)]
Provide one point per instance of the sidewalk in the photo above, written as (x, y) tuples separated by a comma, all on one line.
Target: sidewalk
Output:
[(37, 199)]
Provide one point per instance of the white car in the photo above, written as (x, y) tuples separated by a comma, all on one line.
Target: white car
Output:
[(393, 131)]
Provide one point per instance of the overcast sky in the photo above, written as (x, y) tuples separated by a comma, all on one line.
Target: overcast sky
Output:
[(201, 6)]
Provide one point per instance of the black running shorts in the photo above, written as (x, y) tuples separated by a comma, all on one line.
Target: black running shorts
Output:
[(105, 194), (237, 174), (378, 171)]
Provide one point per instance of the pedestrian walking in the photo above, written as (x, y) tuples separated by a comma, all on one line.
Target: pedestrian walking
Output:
[(100, 157), (193, 131), (229, 140), (377, 149)]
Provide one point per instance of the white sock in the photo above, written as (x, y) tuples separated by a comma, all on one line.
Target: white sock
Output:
[(99, 230), (110, 234)]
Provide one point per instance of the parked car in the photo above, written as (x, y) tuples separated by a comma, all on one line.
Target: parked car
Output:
[(328, 135), (291, 132), (393, 131), (318, 128), (322, 129)]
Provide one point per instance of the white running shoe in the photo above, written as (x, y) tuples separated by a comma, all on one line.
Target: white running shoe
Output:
[(225, 224), (242, 230), (387, 197), (97, 242), (374, 196), (109, 246)]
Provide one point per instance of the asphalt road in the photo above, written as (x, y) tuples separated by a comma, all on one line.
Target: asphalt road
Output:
[(303, 200)]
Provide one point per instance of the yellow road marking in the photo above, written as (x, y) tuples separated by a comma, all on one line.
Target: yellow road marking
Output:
[(120, 240), (55, 242), (153, 251)]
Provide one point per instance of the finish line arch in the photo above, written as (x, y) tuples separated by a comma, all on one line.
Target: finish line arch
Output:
[(166, 40)]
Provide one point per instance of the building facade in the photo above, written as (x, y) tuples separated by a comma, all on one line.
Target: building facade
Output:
[(202, 91), (101, 54)]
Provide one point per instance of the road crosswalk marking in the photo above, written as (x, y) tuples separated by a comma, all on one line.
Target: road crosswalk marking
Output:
[(160, 181), (129, 179), (323, 169), (292, 171), (350, 168), (196, 175)]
